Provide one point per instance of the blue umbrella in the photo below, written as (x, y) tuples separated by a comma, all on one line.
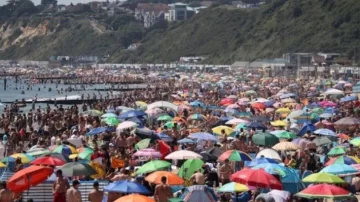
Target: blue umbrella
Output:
[(125, 186), (136, 120), (287, 95), (261, 160), (326, 115), (269, 103), (165, 137), (197, 104), (186, 141), (203, 136), (131, 114), (306, 128), (326, 132), (313, 105), (96, 131), (256, 125), (348, 98), (199, 193), (339, 169)]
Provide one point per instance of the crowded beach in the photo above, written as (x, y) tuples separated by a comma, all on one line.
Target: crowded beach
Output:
[(192, 137)]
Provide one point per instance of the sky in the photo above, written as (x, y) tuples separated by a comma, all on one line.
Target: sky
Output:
[(66, 2)]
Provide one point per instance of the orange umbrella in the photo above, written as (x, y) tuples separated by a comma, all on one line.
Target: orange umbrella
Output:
[(258, 105), (134, 198), (27, 177), (172, 179), (343, 136)]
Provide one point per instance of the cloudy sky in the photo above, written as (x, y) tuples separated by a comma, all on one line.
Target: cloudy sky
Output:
[(66, 2)]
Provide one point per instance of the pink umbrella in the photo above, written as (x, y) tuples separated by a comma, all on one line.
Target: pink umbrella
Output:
[(148, 153), (233, 106)]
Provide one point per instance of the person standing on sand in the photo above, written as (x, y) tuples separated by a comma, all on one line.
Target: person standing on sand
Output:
[(5, 194), (59, 187), (162, 191), (73, 194), (96, 195)]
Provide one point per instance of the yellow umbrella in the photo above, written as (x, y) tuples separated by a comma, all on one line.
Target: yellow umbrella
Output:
[(2, 165), (283, 111), (140, 103), (73, 156), (218, 130), (99, 169), (24, 157), (278, 123), (285, 146)]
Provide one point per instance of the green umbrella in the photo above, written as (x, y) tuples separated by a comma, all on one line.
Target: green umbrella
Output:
[(323, 178), (77, 169), (143, 144), (240, 126), (86, 153), (38, 152), (336, 151), (153, 166), (286, 135), (112, 121), (170, 125), (233, 187), (189, 167), (322, 140), (317, 110), (265, 139), (176, 200), (165, 118)]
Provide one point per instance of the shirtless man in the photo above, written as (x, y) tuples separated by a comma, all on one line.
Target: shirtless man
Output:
[(73, 194), (162, 191), (198, 178), (5, 194), (59, 187), (96, 195), (225, 172)]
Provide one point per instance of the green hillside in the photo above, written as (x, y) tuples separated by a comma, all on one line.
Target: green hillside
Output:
[(222, 33), (225, 35)]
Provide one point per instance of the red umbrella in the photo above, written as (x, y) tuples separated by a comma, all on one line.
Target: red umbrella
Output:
[(50, 161), (27, 177), (258, 105), (324, 191), (256, 178), (226, 101)]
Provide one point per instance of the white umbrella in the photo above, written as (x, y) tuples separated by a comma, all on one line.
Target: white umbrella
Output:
[(269, 153), (334, 92), (262, 100), (125, 125), (236, 121), (77, 142), (183, 154), (294, 114), (280, 195)]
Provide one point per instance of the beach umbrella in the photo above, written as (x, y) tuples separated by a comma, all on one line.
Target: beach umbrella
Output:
[(294, 114), (215, 151), (164, 118), (126, 186), (134, 198), (25, 158), (141, 104), (39, 152), (108, 115), (279, 123), (218, 129), (179, 119), (131, 114), (285, 146), (96, 131), (283, 110), (203, 136), (240, 126), (319, 141), (324, 191), (326, 132), (93, 113), (28, 177), (269, 153), (258, 105), (199, 193), (234, 155), (172, 179), (265, 139), (189, 167), (257, 178), (2, 165), (339, 169), (280, 195), (197, 104), (326, 115), (348, 121), (333, 92), (152, 166), (183, 154), (256, 125), (49, 161), (337, 151), (165, 137), (144, 133), (343, 136), (171, 124), (186, 141), (261, 160), (323, 178), (112, 121), (125, 125), (148, 153), (207, 157), (233, 187), (348, 160), (65, 150), (285, 135), (236, 121), (355, 141), (196, 117), (57, 155), (77, 169)]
